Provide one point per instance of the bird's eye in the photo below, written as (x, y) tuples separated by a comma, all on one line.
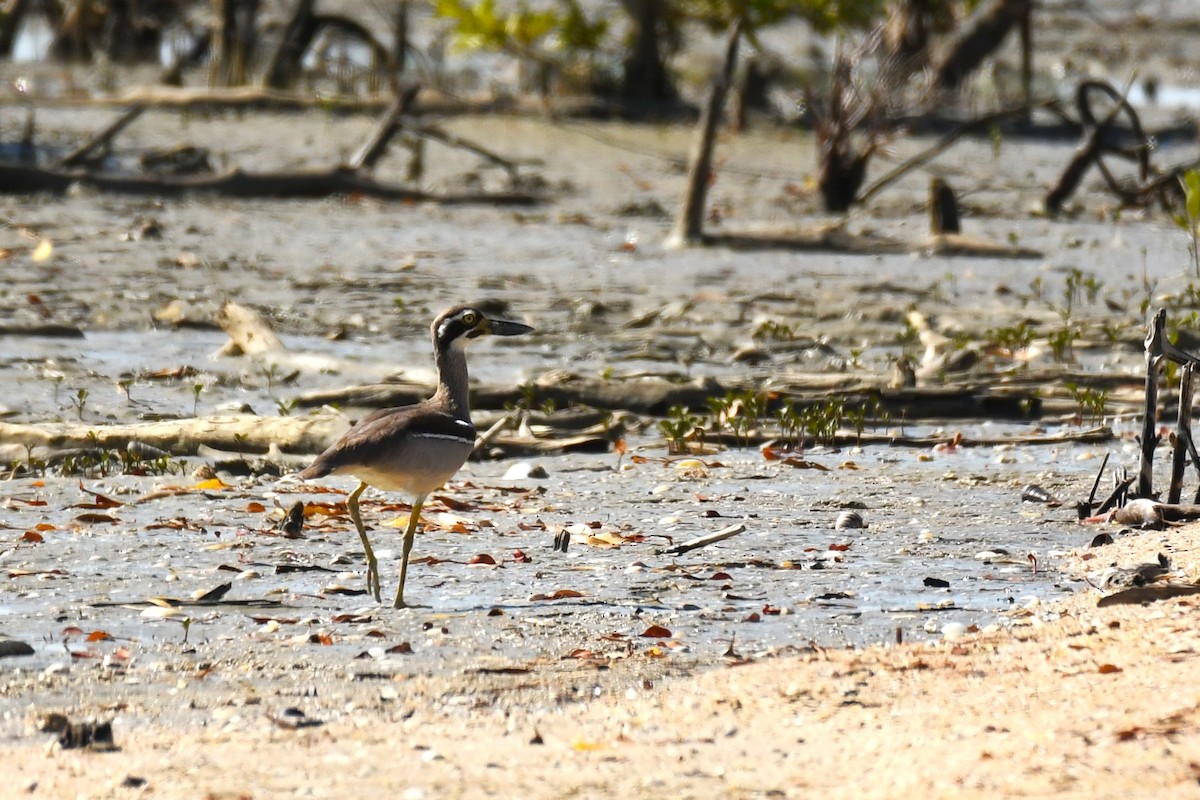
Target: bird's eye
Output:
[(470, 318)]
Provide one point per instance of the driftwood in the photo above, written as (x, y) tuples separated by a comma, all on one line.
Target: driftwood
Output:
[(245, 435), (239, 433), (236, 183)]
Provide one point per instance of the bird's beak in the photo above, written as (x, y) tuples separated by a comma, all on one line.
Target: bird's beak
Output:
[(501, 327)]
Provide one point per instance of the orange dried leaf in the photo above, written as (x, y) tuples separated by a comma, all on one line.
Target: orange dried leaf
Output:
[(32, 536), (482, 558), (1109, 669), (656, 632), (98, 636), (255, 508), (212, 484)]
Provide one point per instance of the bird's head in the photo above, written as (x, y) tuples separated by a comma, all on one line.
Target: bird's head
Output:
[(460, 324)]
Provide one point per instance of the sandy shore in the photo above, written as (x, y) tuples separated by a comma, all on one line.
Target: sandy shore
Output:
[(1068, 700)]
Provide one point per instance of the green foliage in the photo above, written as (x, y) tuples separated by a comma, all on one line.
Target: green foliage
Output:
[(1189, 220), (1091, 403), (678, 428), (824, 16), (1012, 337), (1062, 341), (481, 26)]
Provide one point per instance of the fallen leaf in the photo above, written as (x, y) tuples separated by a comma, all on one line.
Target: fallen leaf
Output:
[(561, 594), (98, 636), (804, 463), (402, 649), (32, 536), (212, 484), (656, 632), (1109, 669), (482, 558)]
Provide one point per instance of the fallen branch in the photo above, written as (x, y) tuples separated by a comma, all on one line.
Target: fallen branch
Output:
[(243, 433), (387, 129), (19, 180), (101, 141)]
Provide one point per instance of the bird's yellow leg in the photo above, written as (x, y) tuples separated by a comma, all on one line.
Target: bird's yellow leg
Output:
[(410, 534), (373, 587)]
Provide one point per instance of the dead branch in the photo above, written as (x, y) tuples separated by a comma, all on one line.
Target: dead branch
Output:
[(15, 179), (689, 225), (942, 145), (450, 140), (1096, 143), (102, 140), (389, 126)]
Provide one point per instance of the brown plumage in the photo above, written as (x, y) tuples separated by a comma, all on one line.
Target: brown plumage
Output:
[(414, 449)]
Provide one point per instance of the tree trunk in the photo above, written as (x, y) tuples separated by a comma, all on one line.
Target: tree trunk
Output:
[(297, 36), (11, 16), (980, 39), (689, 225), (236, 40), (646, 85)]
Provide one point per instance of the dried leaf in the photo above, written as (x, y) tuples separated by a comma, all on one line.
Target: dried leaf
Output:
[(656, 632), (561, 594), (255, 508), (482, 558), (212, 484), (32, 536), (402, 649), (1109, 669), (804, 463)]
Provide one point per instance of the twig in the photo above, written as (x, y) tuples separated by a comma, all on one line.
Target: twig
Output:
[(450, 140), (702, 541)]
